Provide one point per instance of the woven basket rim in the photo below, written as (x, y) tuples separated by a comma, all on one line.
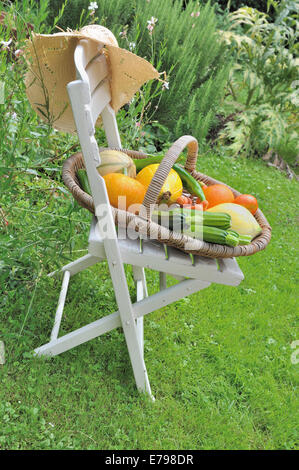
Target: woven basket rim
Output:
[(177, 240)]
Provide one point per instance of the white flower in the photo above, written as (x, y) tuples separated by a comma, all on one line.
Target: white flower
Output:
[(165, 86), (152, 21), (93, 6), (6, 44), (132, 46), (151, 24)]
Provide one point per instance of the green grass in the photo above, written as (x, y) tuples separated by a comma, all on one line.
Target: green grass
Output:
[(219, 361)]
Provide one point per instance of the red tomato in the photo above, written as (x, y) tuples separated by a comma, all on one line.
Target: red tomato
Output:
[(248, 201)]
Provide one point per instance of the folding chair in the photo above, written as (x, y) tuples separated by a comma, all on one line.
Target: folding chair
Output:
[(90, 97)]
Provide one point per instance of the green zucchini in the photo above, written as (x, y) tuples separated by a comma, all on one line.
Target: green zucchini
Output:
[(218, 219), (176, 222), (83, 180), (244, 239), (199, 225), (214, 235)]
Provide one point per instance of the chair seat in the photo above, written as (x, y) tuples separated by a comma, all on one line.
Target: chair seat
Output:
[(152, 255)]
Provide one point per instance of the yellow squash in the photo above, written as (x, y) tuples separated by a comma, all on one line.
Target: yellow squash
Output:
[(171, 189), (243, 221)]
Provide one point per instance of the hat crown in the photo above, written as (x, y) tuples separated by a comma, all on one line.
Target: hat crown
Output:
[(99, 33)]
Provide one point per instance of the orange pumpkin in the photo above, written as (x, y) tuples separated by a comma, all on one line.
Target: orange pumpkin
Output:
[(119, 185)]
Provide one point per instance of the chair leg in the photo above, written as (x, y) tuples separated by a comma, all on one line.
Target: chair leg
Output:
[(141, 292), (128, 321), (60, 307), (163, 283), (69, 270)]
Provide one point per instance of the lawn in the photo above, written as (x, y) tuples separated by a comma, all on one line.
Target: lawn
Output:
[(219, 361)]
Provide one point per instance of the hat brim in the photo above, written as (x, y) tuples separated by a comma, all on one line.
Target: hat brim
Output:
[(51, 67)]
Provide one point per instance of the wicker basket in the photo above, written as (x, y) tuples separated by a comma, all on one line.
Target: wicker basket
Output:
[(162, 234)]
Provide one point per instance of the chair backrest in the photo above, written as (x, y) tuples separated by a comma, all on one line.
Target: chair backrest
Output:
[(90, 97)]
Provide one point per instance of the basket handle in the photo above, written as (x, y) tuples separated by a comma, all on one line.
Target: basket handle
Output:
[(165, 166)]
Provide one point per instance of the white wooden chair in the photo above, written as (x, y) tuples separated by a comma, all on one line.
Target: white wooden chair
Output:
[(90, 97)]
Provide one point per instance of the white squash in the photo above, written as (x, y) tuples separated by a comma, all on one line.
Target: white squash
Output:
[(113, 161), (243, 221)]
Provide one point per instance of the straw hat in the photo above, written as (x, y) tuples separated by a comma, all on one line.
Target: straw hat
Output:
[(51, 67)]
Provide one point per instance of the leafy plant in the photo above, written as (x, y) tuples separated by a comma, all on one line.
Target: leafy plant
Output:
[(236, 4), (262, 85), (30, 151), (196, 64)]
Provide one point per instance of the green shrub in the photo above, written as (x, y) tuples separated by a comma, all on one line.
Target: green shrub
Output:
[(233, 5), (184, 44), (112, 14), (72, 12), (263, 85), (31, 153)]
